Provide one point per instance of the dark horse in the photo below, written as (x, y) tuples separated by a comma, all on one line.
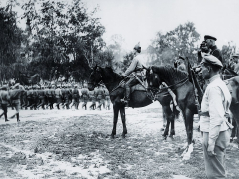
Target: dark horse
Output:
[(178, 82), (28, 80), (112, 81)]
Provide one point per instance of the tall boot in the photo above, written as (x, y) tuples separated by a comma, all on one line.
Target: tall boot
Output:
[(127, 96), (17, 117), (5, 115)]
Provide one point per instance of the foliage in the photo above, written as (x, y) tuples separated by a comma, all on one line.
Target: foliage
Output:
[(228, 50), (61, 37), (11, 37), (180, 41)]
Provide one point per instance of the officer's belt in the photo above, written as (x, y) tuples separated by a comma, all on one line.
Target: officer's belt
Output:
[(206, 114)]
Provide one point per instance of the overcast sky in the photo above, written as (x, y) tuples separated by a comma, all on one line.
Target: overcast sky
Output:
[(140, 20)]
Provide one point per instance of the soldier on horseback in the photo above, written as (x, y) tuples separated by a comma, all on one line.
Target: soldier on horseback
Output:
[(135, 69)]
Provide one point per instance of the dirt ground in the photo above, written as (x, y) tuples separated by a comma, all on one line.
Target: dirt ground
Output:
[(76, 144)]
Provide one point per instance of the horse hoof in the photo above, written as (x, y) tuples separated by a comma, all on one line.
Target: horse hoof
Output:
[(170, 138), (186, 157)]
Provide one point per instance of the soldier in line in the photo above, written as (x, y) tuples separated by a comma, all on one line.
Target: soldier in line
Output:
[(85, 96), (4, 98), (41, 94), (29, 97), (58, 96), (24, 98), (75, 97), (67, 96), (107, 98), (15, 94), (63, 91), (92, 96), (100, 97), (51, 97)]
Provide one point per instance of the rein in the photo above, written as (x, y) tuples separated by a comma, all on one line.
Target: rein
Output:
[(164, 90)]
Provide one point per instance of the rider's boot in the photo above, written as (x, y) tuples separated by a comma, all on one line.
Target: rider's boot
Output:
[(17, 117), (127, 96)]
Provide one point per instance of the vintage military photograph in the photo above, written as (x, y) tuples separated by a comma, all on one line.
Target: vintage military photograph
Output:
[(119, 89)]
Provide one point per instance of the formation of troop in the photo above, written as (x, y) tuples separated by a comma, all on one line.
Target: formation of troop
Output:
[(65, 96)]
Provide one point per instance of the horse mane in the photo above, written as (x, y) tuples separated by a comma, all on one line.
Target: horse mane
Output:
[(116, 75), (170, 73)]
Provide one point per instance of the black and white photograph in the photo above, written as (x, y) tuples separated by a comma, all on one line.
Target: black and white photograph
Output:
[(119, 89)]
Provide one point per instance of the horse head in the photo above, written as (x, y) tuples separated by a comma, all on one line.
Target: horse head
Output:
[(153, 78), (95, 77)]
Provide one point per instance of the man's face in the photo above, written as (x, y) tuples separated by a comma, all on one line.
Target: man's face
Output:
[(208, 42), (205, 71)]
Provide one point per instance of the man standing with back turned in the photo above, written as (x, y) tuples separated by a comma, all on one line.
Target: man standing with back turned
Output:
[(214, 123)]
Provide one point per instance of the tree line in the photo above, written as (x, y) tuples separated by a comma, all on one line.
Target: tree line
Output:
[(63, 40)]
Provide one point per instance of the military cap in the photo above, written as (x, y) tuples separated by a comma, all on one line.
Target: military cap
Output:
[(209, 37), (210, 59), (235, 55), (137, 47)]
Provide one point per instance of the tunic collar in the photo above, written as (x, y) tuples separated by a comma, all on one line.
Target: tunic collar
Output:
[(214, 78)]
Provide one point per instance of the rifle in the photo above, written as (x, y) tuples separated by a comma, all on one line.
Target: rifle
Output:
[(190, 72)]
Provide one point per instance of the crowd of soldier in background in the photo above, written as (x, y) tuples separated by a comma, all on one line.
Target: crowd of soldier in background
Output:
[(65, 96)]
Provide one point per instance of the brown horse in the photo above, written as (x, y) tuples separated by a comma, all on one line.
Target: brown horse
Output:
[(178, 82), (138, 98)]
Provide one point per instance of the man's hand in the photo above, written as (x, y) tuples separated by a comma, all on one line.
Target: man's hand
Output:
[(210, 150)]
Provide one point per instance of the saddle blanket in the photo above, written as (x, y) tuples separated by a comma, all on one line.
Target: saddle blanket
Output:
[(137, 87)]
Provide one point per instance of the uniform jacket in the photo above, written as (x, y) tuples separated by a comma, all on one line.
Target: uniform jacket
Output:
[(4, 97), (216, 101), (135, 66), (217, 53)]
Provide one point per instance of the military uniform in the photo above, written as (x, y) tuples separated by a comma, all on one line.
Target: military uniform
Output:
[(85, 97), (214, 50), (15, 94), (107, 98), (100, 97), (4, 97), (92, 95), (41, 94), (58, 96), (134, 69), (214, 124), (75, 97)]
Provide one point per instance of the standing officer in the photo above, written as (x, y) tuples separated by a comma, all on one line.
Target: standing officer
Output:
[(210, 41), (214, 123)]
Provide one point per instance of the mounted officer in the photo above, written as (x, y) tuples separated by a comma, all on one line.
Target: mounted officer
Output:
[(235, 58), (210, 41), (135, 69)]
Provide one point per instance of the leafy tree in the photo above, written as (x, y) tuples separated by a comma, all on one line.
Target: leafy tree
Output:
[(11, 37), (180, 41)]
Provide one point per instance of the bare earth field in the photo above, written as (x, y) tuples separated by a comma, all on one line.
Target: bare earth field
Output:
[(76, 144)]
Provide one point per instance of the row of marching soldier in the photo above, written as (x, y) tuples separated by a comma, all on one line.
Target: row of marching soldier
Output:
[(37, 97)]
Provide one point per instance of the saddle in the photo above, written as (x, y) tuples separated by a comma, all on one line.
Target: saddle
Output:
[(138, 87)]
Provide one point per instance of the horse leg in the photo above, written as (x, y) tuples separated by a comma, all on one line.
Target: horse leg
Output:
[(172, 131), (188, 119), (122, 113), (168, 115), (116, 114)]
